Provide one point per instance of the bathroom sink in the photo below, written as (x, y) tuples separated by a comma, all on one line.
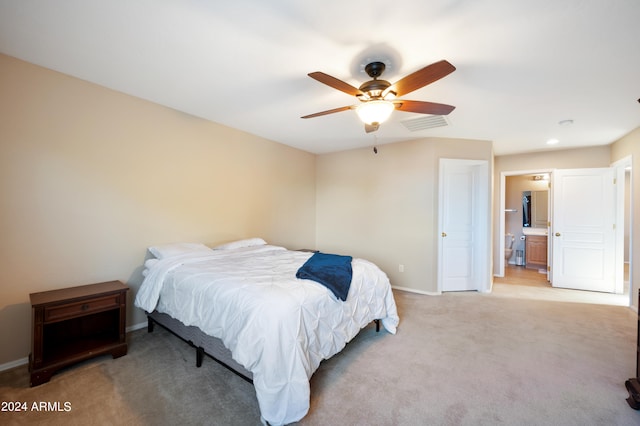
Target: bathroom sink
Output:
[(534, 231)]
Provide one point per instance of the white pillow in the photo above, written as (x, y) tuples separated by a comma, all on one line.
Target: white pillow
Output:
[(168, 250), (241, 243), (149, 263)]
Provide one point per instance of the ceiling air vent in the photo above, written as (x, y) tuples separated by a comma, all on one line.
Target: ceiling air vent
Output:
[(425, 122)]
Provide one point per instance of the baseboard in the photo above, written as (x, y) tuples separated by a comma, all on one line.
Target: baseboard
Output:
[(429, 293), (413, 290), (24, 361), (13, 364), (136, 327)]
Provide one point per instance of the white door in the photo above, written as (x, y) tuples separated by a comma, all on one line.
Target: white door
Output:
[(463, 225), (583, 229)]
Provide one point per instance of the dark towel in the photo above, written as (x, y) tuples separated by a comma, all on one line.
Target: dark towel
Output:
[(331, 270)]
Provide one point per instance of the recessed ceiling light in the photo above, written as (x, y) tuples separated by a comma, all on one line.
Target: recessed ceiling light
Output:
[(552, 141)]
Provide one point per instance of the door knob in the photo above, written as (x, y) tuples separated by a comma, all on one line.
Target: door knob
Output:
[(557, 234), (444, 234)]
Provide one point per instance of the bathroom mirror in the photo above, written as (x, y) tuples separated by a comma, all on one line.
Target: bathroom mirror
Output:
[(535, 207)]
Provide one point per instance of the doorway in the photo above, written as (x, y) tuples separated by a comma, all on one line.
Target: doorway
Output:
[(516, 194), (624, 216), (624, 173)]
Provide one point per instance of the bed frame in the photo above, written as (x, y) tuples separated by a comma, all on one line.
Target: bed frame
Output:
[(203, 343)]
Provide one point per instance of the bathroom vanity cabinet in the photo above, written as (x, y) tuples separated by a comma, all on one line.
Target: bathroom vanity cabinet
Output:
[(536, 251)]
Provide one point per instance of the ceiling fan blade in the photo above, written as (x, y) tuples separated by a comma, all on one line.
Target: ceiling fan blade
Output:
[(335, 83), (421, 78), (371, 127), (330, 111), (423, 107)]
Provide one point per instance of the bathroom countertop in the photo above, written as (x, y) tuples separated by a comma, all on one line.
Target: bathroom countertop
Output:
[(535, 231)]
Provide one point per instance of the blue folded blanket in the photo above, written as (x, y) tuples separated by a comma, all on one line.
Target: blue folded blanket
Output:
[(331, 270)]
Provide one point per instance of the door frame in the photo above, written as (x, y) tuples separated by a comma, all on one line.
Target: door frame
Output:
[(502, 217), (482, 216), (620, 165)]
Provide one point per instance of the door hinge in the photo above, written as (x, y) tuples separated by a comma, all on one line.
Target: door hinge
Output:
[(615, 181)]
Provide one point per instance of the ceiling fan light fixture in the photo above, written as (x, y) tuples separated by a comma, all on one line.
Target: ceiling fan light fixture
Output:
[(375, 111)]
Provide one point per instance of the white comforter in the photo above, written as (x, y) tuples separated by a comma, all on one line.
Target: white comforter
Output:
[(277, 326)]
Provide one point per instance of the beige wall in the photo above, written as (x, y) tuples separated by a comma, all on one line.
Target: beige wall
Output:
[(384, 207), (90, 177), (625, 147), (558, 159)]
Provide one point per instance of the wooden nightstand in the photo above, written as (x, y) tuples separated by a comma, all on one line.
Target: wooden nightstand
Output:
[(76, 323)]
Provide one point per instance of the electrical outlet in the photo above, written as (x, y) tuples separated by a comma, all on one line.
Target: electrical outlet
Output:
[(401, 268)]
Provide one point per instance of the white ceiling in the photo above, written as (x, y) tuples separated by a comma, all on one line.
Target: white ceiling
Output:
[(522, 66)]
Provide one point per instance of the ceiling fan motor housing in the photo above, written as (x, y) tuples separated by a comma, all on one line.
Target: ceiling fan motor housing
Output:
[(374, 88)]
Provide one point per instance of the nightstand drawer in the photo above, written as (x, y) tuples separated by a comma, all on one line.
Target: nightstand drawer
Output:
[(81, 308)]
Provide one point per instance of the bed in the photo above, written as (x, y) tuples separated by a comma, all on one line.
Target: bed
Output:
[(243, 299)]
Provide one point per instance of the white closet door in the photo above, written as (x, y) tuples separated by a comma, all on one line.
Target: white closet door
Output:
[(463, 216)]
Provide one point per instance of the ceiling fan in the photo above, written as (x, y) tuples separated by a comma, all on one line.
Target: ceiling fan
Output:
[(378, 98)]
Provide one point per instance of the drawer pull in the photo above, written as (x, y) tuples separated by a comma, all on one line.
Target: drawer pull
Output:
[(81, 307)]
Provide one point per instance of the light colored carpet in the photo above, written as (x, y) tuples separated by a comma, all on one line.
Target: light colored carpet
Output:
[(458, 359)]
